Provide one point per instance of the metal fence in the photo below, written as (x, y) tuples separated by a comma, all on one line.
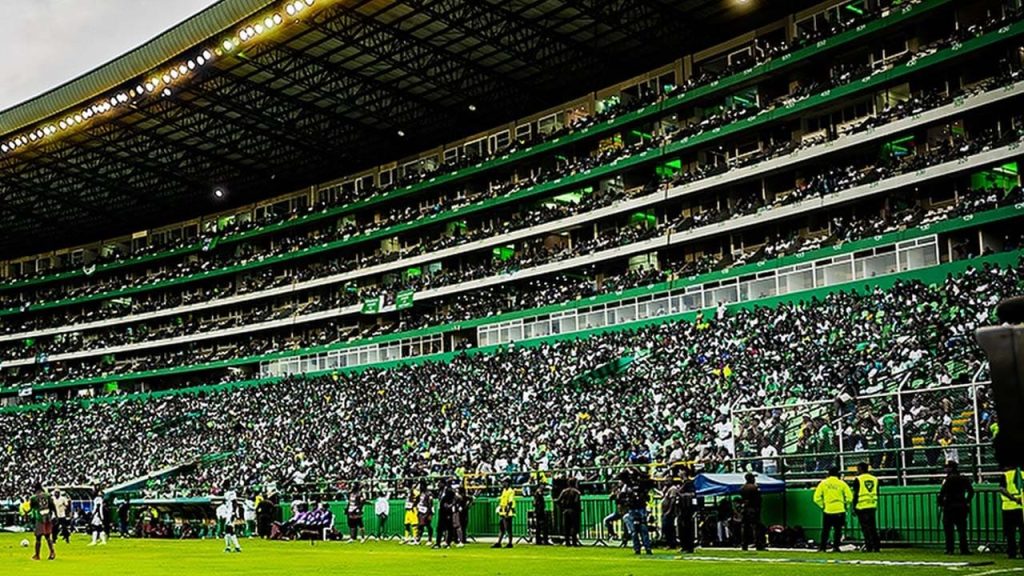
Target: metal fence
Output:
[(906, 435)]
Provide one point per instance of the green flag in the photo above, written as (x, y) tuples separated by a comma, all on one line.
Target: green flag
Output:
[(372, 305), (404, 299)]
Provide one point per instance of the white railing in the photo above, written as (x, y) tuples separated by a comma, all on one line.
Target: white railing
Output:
[(900, 257)]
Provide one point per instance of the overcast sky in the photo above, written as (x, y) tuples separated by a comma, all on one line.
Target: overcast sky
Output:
[(48, 42)]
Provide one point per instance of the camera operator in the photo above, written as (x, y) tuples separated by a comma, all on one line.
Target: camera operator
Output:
[(637, 488)]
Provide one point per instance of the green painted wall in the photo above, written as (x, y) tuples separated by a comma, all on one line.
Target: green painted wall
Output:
[(906, 515)]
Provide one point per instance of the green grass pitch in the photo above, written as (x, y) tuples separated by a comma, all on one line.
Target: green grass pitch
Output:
[(185, 558)]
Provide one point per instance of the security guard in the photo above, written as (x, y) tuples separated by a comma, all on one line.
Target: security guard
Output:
[(1013, 512), (832, 495), (955, 501), (506, 513), (865, 505)]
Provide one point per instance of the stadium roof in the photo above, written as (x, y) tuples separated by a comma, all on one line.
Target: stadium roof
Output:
[(322, 92)]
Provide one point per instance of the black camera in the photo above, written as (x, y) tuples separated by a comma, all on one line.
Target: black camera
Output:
[(1004, 346)]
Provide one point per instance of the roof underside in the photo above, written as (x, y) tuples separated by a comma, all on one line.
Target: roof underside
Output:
[(328, 97)]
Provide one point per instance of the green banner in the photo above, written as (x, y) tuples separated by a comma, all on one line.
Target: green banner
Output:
[(371, 306), (404, 299)]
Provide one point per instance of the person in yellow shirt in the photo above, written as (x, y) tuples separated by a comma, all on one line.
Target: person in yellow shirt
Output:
[(1013, 511), (832, 495), (506, 512), (865, 505), (411, 519)]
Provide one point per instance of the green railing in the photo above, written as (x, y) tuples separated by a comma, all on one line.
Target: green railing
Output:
[(650, 112)]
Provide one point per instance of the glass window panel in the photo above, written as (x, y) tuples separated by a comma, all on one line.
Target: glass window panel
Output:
[(757, 289), (594, 320), (568, 324), (834, 273), (724, 294), (625, 313), (691, 301), (877, 265), (920, 257), (796, 281)]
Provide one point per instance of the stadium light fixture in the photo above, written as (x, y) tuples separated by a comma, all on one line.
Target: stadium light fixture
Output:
[(160, 79)]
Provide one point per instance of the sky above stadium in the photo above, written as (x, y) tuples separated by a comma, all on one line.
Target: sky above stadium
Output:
[(48, 42)]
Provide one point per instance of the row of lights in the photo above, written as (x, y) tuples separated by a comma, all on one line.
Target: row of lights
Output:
[(252, 31), (153, 84)]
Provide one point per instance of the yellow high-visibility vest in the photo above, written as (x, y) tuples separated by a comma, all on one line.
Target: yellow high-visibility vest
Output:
[(867, 492), (832, 495), (1011, 504), (507, 503)]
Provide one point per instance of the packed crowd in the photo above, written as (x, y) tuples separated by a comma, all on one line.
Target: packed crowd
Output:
[(480, 303), (829, 180), (569, 404), (249, 254)]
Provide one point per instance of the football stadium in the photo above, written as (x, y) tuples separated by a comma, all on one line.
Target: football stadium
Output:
[(579, 287)]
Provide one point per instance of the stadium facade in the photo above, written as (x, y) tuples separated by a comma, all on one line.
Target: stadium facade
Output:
[(850, 146)]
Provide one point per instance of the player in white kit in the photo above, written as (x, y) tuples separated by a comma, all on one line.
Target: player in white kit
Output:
[(227, 513)]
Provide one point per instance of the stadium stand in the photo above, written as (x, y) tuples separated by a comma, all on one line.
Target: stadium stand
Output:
[(775, 250), (526, 407)]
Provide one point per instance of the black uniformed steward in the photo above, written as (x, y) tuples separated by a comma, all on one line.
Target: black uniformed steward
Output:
[(540, 517), (686, 509), (752, 528), (955, 502)]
